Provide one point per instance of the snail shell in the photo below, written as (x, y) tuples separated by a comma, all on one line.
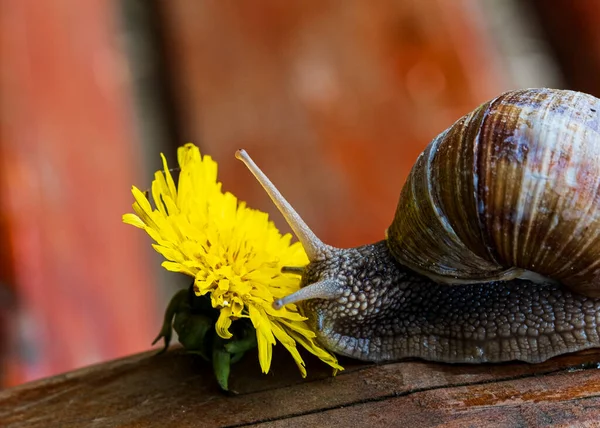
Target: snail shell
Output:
[(505, 205), (512, 187)]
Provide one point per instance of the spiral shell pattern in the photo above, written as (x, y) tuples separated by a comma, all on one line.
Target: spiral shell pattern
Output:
[(511, 188)]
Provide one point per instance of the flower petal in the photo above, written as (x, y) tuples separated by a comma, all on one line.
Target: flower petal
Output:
[(223, 323), (234, 253)]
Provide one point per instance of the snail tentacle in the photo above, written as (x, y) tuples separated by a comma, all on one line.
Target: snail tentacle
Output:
[(326, 289), (314, 247)]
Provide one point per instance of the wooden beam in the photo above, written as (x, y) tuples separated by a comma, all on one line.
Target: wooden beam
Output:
[(177, 389)]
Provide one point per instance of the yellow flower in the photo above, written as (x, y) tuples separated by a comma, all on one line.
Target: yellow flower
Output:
[(234, 253)]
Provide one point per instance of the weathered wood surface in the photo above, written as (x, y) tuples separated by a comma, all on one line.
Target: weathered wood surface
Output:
[(175, 389)]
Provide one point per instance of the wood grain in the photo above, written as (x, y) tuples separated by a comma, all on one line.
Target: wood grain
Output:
[(175, 389)]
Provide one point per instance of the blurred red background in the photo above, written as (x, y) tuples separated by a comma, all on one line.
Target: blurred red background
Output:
[(333, 99)]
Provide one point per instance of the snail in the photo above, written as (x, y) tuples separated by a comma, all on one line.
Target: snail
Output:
[(494, 250)]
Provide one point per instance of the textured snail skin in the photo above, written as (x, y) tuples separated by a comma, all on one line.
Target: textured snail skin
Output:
[(384, 311), (494, 251)]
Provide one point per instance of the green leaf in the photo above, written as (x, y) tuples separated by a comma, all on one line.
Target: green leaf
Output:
[(221, 360), (178, 303), (245, 342), (192, 331)]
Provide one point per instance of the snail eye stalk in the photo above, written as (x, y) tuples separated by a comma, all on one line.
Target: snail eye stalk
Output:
[(327, 289), (314, 247)]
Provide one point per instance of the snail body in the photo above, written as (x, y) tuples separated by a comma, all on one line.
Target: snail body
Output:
[(494, 251)]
